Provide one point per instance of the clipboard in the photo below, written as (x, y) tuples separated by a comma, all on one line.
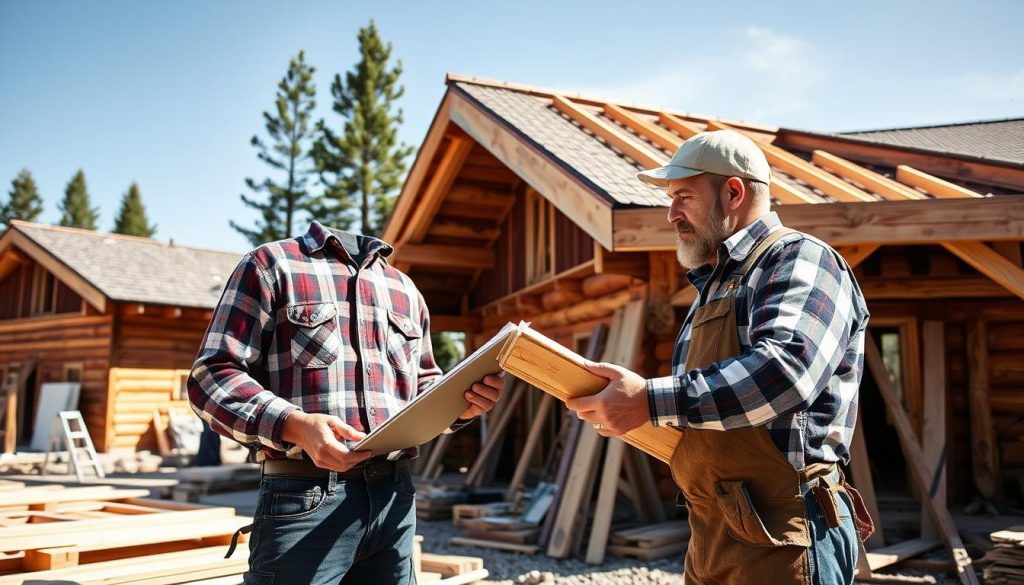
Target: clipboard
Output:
[(432, 411)]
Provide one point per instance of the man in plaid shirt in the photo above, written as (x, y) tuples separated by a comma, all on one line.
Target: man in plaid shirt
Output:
[(316, 341), (768, 400)]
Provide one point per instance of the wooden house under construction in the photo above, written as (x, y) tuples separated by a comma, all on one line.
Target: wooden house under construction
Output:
[(523, 204), (121, 315)]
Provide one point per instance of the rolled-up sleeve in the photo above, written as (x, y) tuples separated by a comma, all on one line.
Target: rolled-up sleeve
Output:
[(223, 386)]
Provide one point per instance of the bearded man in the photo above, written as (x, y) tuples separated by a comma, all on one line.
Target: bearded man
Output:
[(764, 384)]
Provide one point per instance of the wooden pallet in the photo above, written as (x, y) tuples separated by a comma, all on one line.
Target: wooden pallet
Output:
[(652, 542)]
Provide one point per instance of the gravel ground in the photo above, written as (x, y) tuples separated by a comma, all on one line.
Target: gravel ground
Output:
[(508, 568)]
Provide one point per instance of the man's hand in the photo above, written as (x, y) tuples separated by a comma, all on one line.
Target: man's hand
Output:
[(320, 436), (482, 395), (620, 407)]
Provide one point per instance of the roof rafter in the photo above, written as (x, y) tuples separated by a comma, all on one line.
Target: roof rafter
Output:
[(607, 132), (938, 187), (878, 183), (790, 163), (990, 263)]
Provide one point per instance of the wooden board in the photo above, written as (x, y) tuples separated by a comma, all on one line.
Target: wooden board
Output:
[(556, 370), (506, 546)]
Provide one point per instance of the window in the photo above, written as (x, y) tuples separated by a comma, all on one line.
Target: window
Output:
[(44, 292), (540, 237)]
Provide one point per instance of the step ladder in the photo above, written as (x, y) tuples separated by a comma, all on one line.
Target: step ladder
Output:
[(69, 429)]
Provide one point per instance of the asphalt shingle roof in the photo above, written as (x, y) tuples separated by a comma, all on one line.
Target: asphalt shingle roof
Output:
[(612, 174), (997, 140), (139, 270)]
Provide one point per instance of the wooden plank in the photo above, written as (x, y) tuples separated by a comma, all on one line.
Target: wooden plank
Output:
[(506, 546), (540, 421), (641, 126), (933, 428), (987, 474), (893, 554), (928, 221), (495, 435), (609, 133), (934, 185), (587, 210), (855, 255), (793, 165), (915, 457), (437, 188), (51, 497), (674, 123), (990, 263), (878, 183), (446, 256), (646, 487), (605, 507), (446, 228)]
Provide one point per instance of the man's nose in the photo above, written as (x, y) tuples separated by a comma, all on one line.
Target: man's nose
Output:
[(675, 211)]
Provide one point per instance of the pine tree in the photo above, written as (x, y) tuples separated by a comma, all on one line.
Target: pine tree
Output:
[(131, 219), (291, 137), (75, 209), (25, 202), (364, 162)]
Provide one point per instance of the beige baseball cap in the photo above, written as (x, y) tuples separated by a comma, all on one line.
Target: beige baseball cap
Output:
[(722, 152)]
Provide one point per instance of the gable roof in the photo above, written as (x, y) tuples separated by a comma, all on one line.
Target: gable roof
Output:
[(997, 140), (127, 268)]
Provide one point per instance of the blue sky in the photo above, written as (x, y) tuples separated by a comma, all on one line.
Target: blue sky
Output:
[(168, 94)]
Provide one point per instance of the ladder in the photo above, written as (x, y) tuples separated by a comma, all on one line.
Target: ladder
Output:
[(69, 428)]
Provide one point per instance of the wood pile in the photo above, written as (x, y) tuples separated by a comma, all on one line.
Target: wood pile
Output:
[(1006, 561), (652, 542), (195, 482), (100, 534)]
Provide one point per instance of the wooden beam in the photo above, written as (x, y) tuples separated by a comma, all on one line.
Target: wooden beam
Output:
[(990, 263), (987, 473), (480, 196), (986, 172), (785, 193), (931, 287), (462, 230), (587, 209), (411, 187), (62, 272), (934, 185), (863, 481), (933, 427), (915, 458), (878, 183), (540, 420), (607, 490), (808, 173), (649, 130), (885, 222), (447, 256), (437, 187), (676, 124), (609, 133), (854, 255)]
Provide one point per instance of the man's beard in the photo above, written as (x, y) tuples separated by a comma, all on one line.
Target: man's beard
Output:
[(698, 251)]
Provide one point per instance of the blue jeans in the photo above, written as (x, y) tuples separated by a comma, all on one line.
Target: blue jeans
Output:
[(327, 533), (833, 551)]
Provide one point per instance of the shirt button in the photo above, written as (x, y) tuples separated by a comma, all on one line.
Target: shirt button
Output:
[(373, 411)]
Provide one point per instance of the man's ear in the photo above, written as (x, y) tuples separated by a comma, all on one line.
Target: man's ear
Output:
[(735, 192)]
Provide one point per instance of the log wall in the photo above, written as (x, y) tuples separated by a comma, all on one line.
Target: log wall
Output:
[(135, 394)]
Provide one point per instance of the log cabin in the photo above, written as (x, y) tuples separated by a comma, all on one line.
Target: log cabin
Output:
[(522, 203), (121, 315)]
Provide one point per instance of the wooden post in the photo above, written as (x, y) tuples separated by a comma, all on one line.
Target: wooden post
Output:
[(495, 436), (860, 466), (933, 427), (605, 501), (987, 474), (532, 442), (912, 451)]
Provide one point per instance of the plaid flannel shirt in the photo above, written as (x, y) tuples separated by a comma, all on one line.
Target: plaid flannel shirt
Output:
[(320, 323), (801, 319)]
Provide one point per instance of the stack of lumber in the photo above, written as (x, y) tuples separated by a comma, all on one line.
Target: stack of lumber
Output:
[(462, 513), (648, 543), (100, 534), (1006, 561), (446, 569), (195, 482), (436, 503)]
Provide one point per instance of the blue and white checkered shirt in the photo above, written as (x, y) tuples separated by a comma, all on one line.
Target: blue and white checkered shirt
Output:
[(802, 320)]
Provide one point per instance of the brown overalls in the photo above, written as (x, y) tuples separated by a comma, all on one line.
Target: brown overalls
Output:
[(747, 517)]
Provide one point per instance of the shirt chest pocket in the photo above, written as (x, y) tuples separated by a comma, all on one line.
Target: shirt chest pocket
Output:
[(315, 340), (403, 341)]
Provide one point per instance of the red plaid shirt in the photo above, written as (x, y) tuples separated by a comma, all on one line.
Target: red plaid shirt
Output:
[(303, 324)]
